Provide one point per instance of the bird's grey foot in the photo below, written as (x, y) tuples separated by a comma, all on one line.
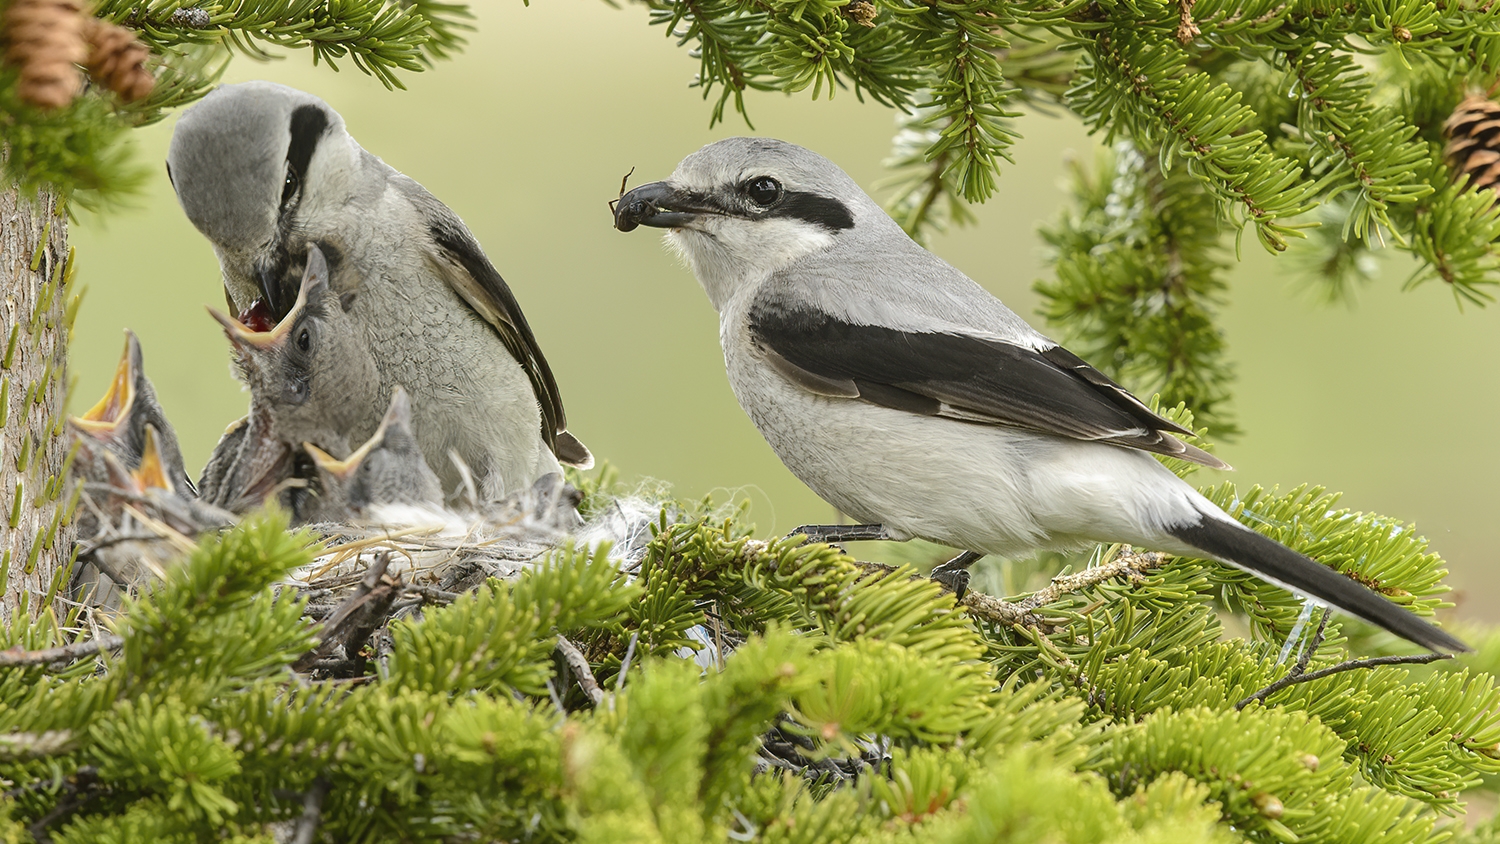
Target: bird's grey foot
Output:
[(954, 574), (835, 534)]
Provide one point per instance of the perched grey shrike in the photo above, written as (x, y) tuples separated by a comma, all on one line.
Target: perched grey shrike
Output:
[(264, 170), (908, 397)]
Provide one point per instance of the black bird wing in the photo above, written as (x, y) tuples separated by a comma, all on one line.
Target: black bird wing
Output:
[(480, 284), (962, 377)]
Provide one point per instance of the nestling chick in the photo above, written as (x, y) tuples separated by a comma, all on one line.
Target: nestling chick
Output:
[(387, 470), (138, 516), (313, 372), (307, 376), (118, 421)]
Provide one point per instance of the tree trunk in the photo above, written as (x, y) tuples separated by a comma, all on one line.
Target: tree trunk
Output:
[(36, 534)]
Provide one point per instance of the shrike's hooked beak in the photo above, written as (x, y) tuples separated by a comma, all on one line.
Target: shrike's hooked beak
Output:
[(270, 289), (269, 278), (245, 337), (661, 205)]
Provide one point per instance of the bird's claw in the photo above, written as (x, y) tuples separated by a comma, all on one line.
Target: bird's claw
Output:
[(953, 580)]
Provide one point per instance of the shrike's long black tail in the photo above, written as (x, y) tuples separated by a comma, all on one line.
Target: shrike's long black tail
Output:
[(1243, 548)]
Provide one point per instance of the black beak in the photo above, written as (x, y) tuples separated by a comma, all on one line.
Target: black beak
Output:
[(661, 206), (270, 290)]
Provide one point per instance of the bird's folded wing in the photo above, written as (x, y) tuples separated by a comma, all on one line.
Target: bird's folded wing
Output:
[(472, 275), (962, 377)]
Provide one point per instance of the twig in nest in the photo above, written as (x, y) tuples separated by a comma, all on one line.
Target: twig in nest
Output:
[(431, 594), (1022, 613), (82, 789), (347, 619), (312, 812), (14, 657), (1299, 674), (579, 665)]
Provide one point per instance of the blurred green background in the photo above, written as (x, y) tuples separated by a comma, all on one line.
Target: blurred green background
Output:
[(526, 136)]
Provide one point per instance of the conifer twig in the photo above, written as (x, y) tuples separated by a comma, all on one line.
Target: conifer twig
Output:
[(312, 812), (344, 616), (1129, 564), (1347, 665), (625, 663), (1298, 673), (16, 657), (81, 788), (579, 665)]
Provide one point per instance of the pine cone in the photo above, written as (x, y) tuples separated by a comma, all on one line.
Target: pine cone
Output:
[(1473, 141), (117, 60), (45, 41)]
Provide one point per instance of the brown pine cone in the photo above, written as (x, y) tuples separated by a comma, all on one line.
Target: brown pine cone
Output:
[(1472, 145), (44, 39), (117, 60)]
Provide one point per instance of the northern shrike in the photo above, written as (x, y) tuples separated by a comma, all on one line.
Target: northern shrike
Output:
[(911, 399), (264, 170)]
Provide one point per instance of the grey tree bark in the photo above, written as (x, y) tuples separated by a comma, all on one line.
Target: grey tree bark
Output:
[(36, 534)]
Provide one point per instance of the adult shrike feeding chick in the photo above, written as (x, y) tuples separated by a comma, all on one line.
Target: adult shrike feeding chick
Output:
[(908, 397), (264, 170)]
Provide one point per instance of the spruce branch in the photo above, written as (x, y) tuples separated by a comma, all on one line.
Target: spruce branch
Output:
[(1139, 280), (969, 97), (1372, 152), (381, 37), (725, 36), (16, 656), (1129, 565), (925, 195), (1304, 656), (1145, 91), (15, 746), (81, 789)]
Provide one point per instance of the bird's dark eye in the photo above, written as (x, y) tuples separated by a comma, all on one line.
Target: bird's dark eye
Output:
[(304, 339), (763, 190), (289, 187)]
